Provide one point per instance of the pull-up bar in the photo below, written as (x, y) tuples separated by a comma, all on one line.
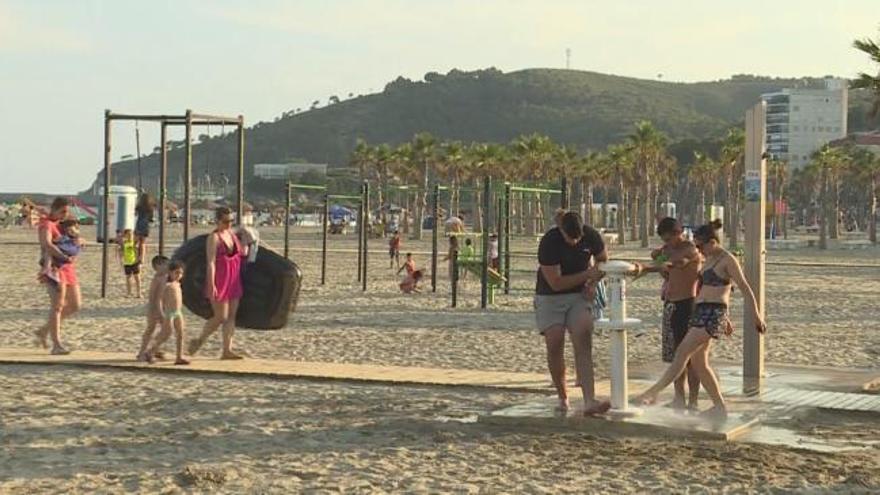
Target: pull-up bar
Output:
[(362, 236), (189, 119), (537, 190)]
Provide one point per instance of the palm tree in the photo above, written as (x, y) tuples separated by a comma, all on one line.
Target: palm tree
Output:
[(732, 168), (403, 168), (778, 172), (704, 174), (620, 161), (865, 80), (866, 169), (533, 152), (424, 151), (361, 158), (648, 147)]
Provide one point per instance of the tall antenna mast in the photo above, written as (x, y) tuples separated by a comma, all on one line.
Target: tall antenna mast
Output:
[(568, 58)]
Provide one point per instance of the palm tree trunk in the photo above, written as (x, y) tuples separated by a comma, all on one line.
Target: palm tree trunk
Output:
[(578, 200), (604, 220), (823, 208), (621, 212), (520, 212), (589, 205), (634, 213), (646, 220), (834, 220), (420, 215), (872, 212)]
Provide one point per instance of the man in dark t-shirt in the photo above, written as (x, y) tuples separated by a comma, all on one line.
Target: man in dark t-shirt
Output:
[(565, 256)]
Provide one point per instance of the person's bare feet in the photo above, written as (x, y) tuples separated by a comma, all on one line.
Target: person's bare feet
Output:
[(59, 351), (646, 399), (231, 356), (715, 413), (693, 405), (42, 336), (181, 362), (193, 347), (678, 404), (145, 357), (594, 407), (159, 355), (563, 406)]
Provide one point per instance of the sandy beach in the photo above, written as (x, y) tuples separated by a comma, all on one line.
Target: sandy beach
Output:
[(68, 430)]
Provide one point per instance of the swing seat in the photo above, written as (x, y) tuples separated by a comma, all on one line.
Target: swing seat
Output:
[(271, 286)]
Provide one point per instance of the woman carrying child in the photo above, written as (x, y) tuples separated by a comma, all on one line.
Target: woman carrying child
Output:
[(61, 281)]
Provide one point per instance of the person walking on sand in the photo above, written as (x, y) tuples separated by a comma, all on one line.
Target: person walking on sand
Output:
[(171, 312), (65, 297), (223, 286), (678, 262), (144, 216), (394, 249), (154, 308), (710, 319), (565, 253)]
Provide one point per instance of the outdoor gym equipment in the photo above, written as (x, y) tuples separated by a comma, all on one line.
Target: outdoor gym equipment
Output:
[(189, 119), (362, 244)]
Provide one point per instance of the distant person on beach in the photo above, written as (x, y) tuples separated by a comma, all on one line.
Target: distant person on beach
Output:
[(65, 297), (131, 267), (143, 217), (710, 319), (223, 286), (172, 311), (564, 255), (494, 260), (678, 262), (409, 265), (410, 282), (154, 309), (394, 249)]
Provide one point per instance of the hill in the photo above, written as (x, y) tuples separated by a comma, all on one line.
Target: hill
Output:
[(586, 109)]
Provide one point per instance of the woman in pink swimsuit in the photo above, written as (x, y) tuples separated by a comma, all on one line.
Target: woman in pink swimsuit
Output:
[(64, 293), (223, 286)]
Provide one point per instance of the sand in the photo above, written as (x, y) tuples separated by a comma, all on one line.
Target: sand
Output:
[(67, 430)]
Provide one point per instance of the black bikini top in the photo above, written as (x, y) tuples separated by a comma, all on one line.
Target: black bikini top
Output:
[(709, 278)]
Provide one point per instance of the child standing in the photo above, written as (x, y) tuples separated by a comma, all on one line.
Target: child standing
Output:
[(154, 307), (494, 261), (130, 263), (172, 311), (394, 249)]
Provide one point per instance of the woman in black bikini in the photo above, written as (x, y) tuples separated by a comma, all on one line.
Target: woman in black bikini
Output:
[(710, 318)]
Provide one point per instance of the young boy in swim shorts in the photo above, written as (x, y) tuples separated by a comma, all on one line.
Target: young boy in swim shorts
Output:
[(172, 311), (154, 307), (394, 249)]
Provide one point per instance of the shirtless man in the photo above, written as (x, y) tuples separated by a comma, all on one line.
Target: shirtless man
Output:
[(678, 262)]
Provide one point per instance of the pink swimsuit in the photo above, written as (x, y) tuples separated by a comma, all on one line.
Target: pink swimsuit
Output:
[(227, 271), (67, 272)]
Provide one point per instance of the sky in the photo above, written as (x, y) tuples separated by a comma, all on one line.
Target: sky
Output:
[(63, 62)]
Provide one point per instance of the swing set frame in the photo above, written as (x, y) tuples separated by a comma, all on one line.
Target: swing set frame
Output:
[(188, 120)]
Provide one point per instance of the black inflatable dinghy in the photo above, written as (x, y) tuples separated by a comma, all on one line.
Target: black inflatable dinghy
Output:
[(271, 286)]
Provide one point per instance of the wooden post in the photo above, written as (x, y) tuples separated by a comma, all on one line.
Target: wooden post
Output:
[(563, 196), (163, 185), (239, 201), (366, 233), (360, 231), (105, 238), (506, 238), (287, 221), (455, 279), (755, 195), (484, 271), (434, 233), (187, 177), (324, 224)]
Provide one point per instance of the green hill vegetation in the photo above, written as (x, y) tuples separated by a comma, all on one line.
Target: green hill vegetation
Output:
[(583, 110)]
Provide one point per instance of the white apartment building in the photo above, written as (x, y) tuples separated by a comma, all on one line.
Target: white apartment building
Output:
[(286, 171), (801, 120)]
